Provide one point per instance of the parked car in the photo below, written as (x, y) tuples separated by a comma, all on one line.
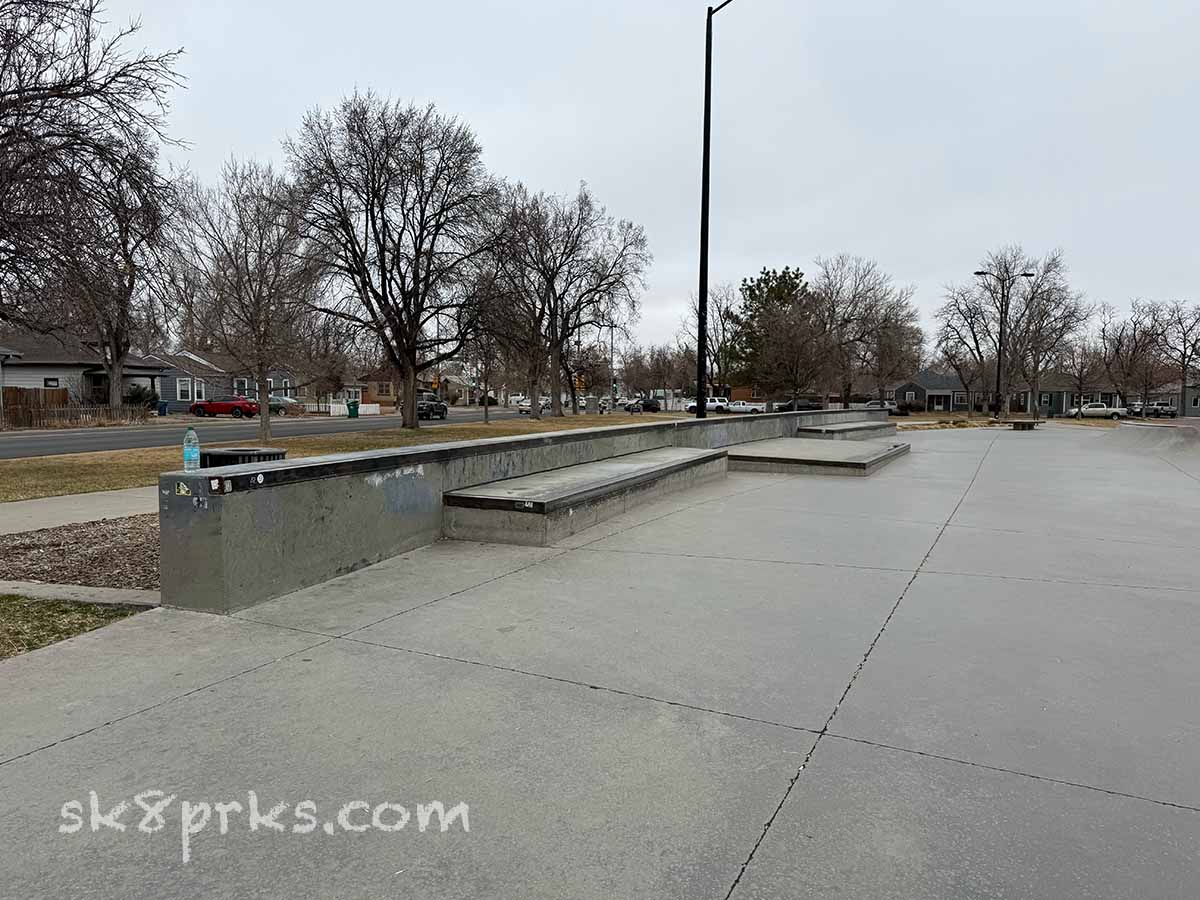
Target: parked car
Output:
[(643, 404), (285, 406), (798, 405), (1160, 408), (225, 406), (892, 407), (1097, 411), (712, 404), (745, 406), (489, 400), (431, 406)]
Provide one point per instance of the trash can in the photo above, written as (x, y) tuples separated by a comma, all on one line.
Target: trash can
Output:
[(238, 456), (352, 409), (162, 407)]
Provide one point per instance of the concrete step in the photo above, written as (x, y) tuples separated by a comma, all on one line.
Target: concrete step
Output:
[(538, 510), (806, 456), (847, 431)]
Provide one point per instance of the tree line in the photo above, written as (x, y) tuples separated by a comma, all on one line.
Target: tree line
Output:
[(850, 331), (1021, 322), (382, 236)]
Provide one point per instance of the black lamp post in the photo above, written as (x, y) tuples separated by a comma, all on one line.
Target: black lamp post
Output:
[(702, 300), (1006, 282)]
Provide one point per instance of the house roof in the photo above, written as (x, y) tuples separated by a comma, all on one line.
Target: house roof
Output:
[(64, 349), (9, 353), (186, 361)]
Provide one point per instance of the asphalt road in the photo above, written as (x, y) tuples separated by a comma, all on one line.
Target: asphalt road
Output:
[(17, 444)]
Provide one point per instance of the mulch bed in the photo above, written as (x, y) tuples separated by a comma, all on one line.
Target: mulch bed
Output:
[(111, 553)]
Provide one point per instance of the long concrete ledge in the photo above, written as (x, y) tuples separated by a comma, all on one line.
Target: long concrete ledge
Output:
[(239, 535)]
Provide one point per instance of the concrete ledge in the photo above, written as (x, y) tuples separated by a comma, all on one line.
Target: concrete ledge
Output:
[(800, 456), (236, 536), (539, 510), (78, 593), (847, 431)]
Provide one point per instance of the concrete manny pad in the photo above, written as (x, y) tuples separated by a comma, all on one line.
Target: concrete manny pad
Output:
[(968, 676), (815, 456)]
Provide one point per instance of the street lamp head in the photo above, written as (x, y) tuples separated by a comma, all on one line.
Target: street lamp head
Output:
[(1028, 275), (980, 273)]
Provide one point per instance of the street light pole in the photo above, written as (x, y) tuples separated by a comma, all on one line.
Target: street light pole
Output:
[(702, 293)]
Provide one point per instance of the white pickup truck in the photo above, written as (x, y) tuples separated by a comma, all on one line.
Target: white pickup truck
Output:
[(745, 406), (1097, 411)]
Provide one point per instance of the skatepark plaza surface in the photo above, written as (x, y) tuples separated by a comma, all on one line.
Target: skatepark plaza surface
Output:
[(971, 675)]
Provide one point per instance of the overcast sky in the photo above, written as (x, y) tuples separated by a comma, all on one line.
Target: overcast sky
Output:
[(920, 134)]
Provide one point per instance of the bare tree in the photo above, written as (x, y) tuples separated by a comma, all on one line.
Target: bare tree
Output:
[(399, 203), (72, 101), (854, 297), (894, 346), (724, 334), (1050, 314), (963, 338), (99, 274), (1082, 361), (1130, 349), (1179, 342), (258, 272), (572, 267)]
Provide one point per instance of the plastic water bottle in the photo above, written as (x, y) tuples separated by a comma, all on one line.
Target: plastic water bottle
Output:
[(191, 451)]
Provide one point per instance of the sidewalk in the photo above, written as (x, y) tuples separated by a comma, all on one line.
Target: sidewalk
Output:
[(50, 512)]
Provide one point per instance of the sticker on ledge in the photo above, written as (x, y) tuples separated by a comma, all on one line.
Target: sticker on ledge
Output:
[(182, 490)]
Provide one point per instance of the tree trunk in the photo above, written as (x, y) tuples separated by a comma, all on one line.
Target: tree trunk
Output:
[(1183, 386), (115, 369), (535, 400), (409, 411), (485, 398), (1035, 397), (264, 407), (556, 408)]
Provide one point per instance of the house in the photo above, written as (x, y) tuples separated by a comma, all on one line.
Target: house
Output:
[(189, 376), (937, 392), (940, 392), (70, 363)]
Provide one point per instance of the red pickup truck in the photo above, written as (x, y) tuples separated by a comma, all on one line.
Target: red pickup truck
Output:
[(225, 406)]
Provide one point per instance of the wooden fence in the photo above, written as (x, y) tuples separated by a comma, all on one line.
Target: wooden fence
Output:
[(70, 415)]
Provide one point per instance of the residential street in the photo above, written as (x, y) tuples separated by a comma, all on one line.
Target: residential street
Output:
[(18, 444)]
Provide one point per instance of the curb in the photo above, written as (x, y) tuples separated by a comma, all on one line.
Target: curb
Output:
[(79, 593)]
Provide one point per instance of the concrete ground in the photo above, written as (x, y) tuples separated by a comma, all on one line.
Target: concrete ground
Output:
[(972, 675), (50, 512)]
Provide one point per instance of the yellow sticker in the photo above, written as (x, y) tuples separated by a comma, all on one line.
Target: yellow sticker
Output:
[(182, 490)]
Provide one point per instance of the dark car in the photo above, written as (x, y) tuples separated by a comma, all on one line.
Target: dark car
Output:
[(225, 406), (487, 401), (430, 406), (798, 405), (643, 404), (286, 406)]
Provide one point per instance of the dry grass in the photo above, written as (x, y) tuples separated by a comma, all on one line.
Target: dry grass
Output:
[(80, 473), (28, 624)]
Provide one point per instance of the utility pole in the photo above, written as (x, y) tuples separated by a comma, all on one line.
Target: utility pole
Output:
[(702, 293)]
